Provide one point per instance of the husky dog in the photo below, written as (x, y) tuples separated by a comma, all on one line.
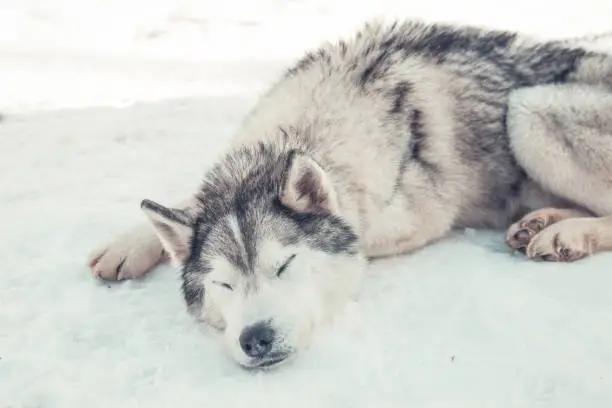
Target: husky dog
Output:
[(378, 146)]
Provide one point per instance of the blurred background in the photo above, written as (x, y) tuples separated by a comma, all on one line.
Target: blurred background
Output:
[(68, 53)]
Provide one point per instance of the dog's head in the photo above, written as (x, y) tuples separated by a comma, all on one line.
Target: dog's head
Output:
[(267, 256)]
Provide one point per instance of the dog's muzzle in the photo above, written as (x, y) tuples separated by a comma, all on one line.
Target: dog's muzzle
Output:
[(257, 342)]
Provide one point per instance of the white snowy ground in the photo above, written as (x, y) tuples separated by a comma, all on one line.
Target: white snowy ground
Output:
[(106, 103)]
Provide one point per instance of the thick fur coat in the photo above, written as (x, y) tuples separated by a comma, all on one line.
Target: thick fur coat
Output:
[(375, 146)]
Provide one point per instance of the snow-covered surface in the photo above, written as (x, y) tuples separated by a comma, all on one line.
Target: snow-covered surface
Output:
[(108, 102)]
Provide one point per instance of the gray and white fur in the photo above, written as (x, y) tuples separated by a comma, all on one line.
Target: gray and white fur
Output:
[(376, 146)]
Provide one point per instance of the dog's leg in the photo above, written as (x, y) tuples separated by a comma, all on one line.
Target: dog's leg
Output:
[(428, 226), (131, 254), (398, 248), (562, 136)]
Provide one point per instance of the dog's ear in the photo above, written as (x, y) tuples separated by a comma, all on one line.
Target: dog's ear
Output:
[(307, 188), (173, 227)]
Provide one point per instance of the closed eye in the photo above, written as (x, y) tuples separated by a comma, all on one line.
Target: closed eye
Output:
[(284, 266), (224, 285)]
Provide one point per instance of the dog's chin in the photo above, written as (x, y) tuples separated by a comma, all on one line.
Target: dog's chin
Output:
[(269, 363)]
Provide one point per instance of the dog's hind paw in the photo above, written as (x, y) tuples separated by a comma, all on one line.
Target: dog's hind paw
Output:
[(521, 233), (566, 241), (128, 256)]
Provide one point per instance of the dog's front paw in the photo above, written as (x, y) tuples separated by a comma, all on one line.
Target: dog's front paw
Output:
[(566, 241), (128, 256)]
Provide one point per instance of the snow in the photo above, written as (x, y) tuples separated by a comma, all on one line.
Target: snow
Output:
[(106, 103)]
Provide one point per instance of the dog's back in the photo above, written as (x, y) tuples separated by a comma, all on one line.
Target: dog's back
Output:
[(409, 120)]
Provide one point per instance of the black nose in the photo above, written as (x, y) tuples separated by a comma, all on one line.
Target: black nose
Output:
[(256, 340)]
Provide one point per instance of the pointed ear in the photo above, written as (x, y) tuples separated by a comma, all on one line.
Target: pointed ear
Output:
[(173, 227), (307, 188)]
